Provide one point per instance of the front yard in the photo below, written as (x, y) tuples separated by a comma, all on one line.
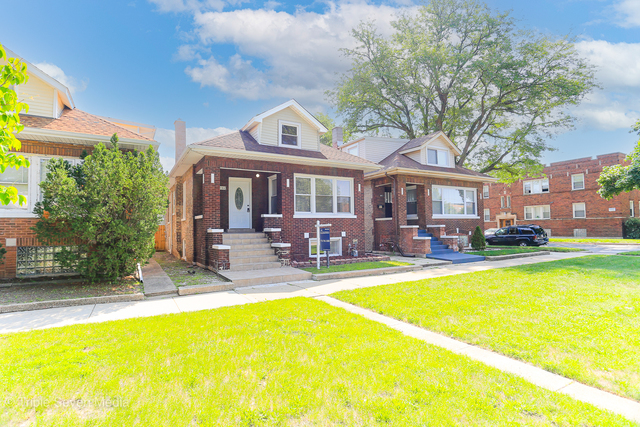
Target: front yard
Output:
[(509, 250), (356, 266), (290, 362), (594, 240), (182, 273), (577, 317)]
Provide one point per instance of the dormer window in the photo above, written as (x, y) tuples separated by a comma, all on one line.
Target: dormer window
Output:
[(289, 134), (437, 157)]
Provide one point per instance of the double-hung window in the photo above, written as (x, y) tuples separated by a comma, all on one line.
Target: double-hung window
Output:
[(537, 212), (289, 134), (273, 194), (323, 195), (579, 210), (577, 181), (487, 215), (437, 157), (631, 208), (453, 201), (412, 202), (536, 186), (20, 180), (485, 192)]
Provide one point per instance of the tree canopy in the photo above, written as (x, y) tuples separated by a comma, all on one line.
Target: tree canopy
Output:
[(12, 73), (109, 206), (498, 91), (617, 179)]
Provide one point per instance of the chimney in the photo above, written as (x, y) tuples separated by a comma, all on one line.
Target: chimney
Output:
[(336, 137), (181, 137)]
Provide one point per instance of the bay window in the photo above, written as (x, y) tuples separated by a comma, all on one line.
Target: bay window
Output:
[(323, 195), (537, 212), (453, 201)]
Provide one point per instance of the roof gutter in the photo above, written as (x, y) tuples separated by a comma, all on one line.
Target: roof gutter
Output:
[(435, 174)]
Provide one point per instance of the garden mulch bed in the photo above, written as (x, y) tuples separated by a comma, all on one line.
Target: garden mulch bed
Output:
[(61, 290)]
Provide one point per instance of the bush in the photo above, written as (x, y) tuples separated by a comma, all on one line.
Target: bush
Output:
[(631, 228), (478, 241), (109, 206)]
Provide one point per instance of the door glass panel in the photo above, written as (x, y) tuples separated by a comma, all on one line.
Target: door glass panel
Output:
[(239, 198)]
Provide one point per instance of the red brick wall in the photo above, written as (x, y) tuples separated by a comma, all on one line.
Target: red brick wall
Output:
[(600, 221)]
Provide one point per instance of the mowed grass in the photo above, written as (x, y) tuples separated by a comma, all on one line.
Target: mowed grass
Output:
[(293, 362), (630, 253), (594, 240), (509, 250), (577, 317), (356, 266)]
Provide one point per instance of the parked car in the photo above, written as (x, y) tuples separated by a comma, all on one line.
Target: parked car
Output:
[(490, 231), (519, 235)]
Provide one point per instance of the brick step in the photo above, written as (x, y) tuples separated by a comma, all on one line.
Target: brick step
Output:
[(253, 259), (235, 253), (265, 277), (254, 266)]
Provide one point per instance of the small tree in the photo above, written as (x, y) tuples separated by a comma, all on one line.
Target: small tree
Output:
[(108, 206), (478, 242), (631, 228), (618, 179)]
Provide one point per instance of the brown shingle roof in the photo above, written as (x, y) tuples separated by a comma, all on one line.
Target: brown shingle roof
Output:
[(243, 141), (418, 141), (80, 122)]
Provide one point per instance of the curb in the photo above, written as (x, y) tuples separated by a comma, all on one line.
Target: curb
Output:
[(363, 273), (512, 256), (41, 305), (203, 289)]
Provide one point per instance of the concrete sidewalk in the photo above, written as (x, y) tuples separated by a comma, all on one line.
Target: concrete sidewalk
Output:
[(40, 319), (155, 280)]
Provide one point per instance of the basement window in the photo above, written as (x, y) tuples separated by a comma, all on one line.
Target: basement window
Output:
[(40, 260)]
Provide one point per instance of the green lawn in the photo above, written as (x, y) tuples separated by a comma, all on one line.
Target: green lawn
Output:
[(631, 253), (577, 317), (294, 362), (508, 250), (590, 240), (356, 266)]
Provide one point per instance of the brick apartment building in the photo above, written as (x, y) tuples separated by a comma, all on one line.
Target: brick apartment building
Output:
[(564, 201), (53, 127)]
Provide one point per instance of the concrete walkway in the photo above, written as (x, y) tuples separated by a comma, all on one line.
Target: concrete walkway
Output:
[(155, 280)]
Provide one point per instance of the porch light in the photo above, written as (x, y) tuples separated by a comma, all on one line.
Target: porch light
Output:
[(257, 175)]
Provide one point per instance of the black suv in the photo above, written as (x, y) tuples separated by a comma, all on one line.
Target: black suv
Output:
[(519, 235)]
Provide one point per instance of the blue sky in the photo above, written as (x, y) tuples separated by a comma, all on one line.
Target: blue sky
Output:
[(216, 63)]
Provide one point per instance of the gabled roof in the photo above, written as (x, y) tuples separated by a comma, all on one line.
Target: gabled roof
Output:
[(293, 104), (63, 91), (418, 143), (241, 145)]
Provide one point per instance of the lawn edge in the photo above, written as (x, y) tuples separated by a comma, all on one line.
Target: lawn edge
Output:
[(42, 305), (512, 256), (363, 273), (203, 289)]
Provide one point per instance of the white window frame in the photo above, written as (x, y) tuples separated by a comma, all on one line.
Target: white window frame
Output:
[(487, 215), (439, 152), (502, 201), (270, 182), (584, 210), (485, 191), (184, 201), (508, 201), (632, 210), (532, 183), (333, 239), (297, 125), (335, 213), (573, 181), (532, 215), (475, 196), (355, 148)]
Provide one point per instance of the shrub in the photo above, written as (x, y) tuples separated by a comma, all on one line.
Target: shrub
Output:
[(631, 228), (109, 206), (478, 241)]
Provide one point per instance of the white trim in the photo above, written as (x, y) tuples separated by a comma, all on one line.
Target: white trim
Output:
[(215, 230), (313, 239), (271, 215), (436, 136), (436, 174), (291, 103), (409, 226), (487, 214), (632, 208), (454, 217), (334, 195), (438, 153), (573, 182), (532, 207), (221, 247), (298, 126), (436, 226), (412, 216), (248, 199), (271, 230), (281, 245), (465, 189), (531, 181), (270, 180), (421, 238), (584, 210), (383, 219), (197, 217)]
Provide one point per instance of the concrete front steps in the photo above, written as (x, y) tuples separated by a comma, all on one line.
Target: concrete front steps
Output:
[(442, 252), (254, 262)]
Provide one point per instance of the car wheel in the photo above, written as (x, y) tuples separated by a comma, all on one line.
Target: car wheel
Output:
[(524, 243)]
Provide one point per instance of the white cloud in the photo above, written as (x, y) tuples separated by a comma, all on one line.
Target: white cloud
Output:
[(628, 13), (166, 138), (56, 72), (281, 54)]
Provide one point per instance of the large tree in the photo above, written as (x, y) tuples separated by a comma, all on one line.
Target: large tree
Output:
[(109, 206), (618, 179), (498, 91), (13, 72), (329, 123)]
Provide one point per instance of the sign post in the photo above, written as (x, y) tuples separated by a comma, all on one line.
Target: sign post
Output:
[(323, 241)]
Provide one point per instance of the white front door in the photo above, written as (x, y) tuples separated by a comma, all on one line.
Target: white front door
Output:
[(239, 202)]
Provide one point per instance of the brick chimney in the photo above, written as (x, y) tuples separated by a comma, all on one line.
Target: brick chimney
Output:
[(336, 137), (181, 137)]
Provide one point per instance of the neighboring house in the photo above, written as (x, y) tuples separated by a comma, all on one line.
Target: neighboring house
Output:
[(564, 200), (418, 193), (236, 199), (53, 127)]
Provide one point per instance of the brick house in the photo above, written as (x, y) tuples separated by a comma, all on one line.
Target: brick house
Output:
[(237, 199), (420, 195), (53, 127), (564, 201)]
